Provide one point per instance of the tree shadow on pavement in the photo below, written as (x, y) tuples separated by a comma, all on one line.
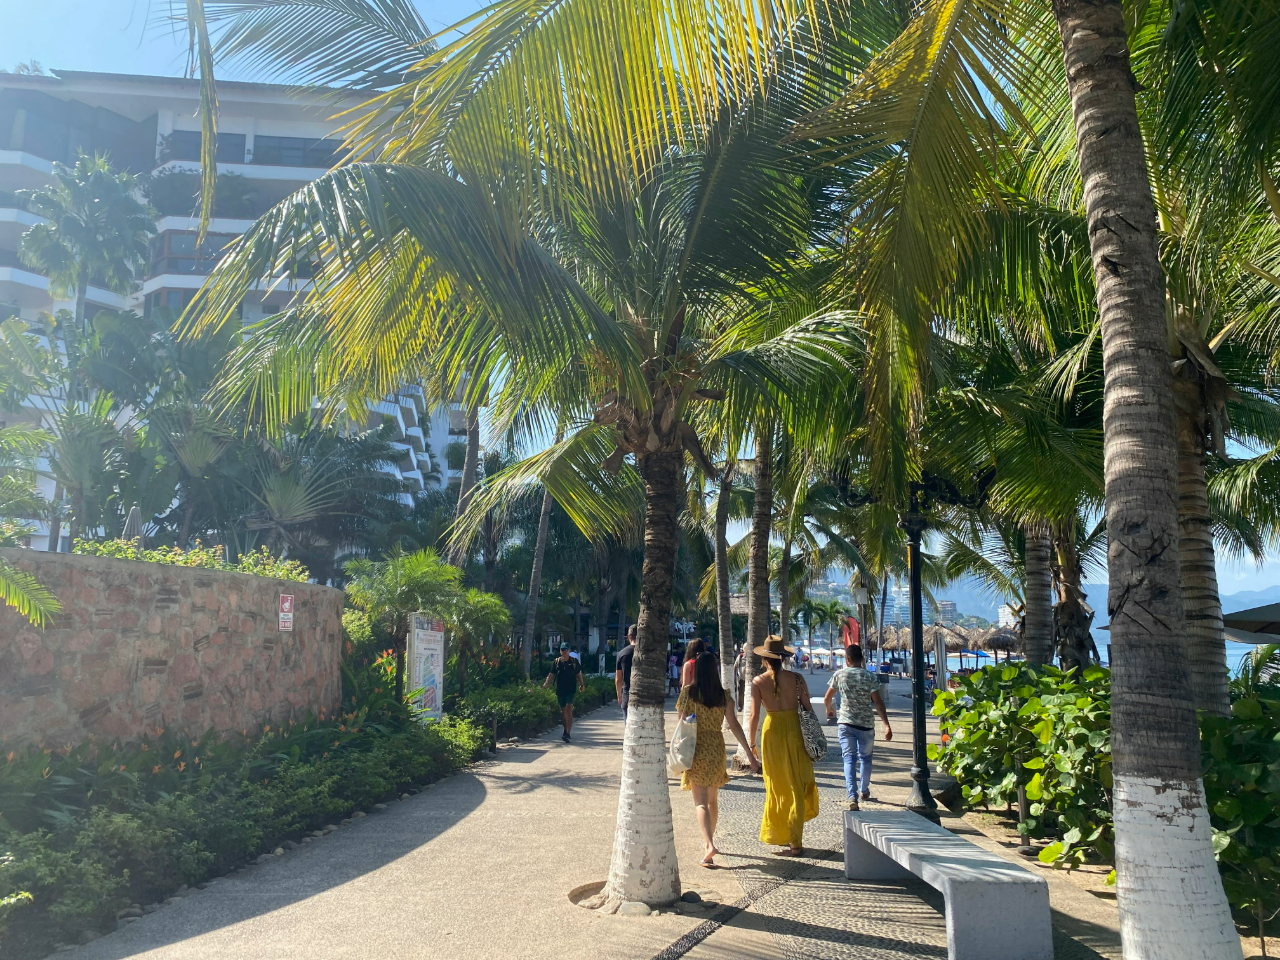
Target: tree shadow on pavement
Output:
[(313, 869)]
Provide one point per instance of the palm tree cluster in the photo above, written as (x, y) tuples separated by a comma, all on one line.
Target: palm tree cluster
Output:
[(998, 266)]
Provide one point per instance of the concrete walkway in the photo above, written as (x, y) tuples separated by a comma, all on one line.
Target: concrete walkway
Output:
[(483, 864)]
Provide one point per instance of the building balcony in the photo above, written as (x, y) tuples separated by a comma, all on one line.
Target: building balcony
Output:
[(23, 171), (14, 223), (279, 173), (23, 287), (415, 438)]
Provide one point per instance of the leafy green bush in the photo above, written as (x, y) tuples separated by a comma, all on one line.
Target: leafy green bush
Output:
[(525, 709), (258, 563), (90, 829), (521, 709), (1241, 756), (1042, 728)]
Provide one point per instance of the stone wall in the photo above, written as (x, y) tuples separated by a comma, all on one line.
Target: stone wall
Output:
[(140, 646)]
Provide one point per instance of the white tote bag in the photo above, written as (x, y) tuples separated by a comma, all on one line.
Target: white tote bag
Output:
[(684, 741)]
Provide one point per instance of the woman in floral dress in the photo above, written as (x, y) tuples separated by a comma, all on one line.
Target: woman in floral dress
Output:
[(706, 700)]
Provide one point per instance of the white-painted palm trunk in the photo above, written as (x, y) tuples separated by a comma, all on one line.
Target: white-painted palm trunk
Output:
[(644, 866), (1172, 906)]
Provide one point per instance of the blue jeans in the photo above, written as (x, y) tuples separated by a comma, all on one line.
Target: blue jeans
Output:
[(855, 746)]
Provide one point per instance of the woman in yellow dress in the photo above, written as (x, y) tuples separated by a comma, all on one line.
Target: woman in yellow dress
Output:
[(711, 706), (790, 791)]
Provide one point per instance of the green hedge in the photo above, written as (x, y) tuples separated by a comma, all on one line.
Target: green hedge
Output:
[(89, 830), (259, 563), (525, 709)]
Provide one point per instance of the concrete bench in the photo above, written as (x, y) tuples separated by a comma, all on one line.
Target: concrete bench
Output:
[(996, 910)]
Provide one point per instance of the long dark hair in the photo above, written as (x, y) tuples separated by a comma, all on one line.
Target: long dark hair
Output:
[(707, 689), (693, 649)]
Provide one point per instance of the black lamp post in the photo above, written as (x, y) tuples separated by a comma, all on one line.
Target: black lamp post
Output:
[(921, 800)]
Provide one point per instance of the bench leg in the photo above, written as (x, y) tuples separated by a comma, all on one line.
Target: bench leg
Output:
[(996, 922), (862, 861)]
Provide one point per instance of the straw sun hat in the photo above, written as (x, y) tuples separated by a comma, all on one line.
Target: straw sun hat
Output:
[(774, 649)]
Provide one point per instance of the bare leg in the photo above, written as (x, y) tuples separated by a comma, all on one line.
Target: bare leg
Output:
[(713, 809), (568, 718), (705, 824)]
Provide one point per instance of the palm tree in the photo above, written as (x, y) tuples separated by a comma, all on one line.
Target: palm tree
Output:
[(593, 289), (1158, 791), (95, 231), (388, 591), (470, 617)]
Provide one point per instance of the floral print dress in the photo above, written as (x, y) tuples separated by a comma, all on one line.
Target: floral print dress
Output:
[(709, 769)]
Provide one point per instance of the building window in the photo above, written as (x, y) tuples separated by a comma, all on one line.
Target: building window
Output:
[(185, 145), (296, 151), (175, 251)]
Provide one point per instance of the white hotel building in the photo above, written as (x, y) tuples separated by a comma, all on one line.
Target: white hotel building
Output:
[(276, 138)]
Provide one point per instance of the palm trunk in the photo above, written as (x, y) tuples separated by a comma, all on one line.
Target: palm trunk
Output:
[(535, 584), (1201, 604), (1169, 893), (470, 459), (82, 301), (884, 599), (724, 613), (188, 515), (758, 563), (644, 866), (1070, 620), (55, 522), (757, 572), (1037, 626), (400, 642), (77, 516), (784, 593)]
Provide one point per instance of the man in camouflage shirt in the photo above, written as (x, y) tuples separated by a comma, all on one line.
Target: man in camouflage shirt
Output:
[(860, 700)]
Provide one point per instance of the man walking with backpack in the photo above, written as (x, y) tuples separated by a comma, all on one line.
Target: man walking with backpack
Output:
[(568, 676)]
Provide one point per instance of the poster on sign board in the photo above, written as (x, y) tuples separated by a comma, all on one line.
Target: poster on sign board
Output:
[(426, 664)]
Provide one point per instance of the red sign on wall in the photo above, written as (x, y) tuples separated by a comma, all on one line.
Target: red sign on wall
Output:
[(286, 611)]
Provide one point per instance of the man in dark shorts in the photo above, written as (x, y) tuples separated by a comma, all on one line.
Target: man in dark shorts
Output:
[(622, 673), (568, 676)]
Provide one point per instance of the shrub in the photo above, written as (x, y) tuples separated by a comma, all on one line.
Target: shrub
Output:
[(1042, 728), (525, 709), (1241, 755), (90, 829), (259, 563)]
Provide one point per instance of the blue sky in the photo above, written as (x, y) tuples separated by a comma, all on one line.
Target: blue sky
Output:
[(126, 36)]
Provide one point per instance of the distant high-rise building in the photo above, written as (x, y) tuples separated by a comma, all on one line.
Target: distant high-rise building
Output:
[(947, 612), (1007, 617)]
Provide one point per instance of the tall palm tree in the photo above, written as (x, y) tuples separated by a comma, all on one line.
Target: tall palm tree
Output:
[(589, 276), (942, 115), (95, 230)]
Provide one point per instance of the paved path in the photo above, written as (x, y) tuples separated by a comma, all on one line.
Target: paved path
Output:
[(482, 865)]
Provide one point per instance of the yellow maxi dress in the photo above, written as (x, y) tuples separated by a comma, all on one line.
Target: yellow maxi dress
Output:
[(708, 768), (790, 791)]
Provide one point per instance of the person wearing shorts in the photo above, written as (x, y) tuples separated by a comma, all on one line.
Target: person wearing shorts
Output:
[(567, 673)]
